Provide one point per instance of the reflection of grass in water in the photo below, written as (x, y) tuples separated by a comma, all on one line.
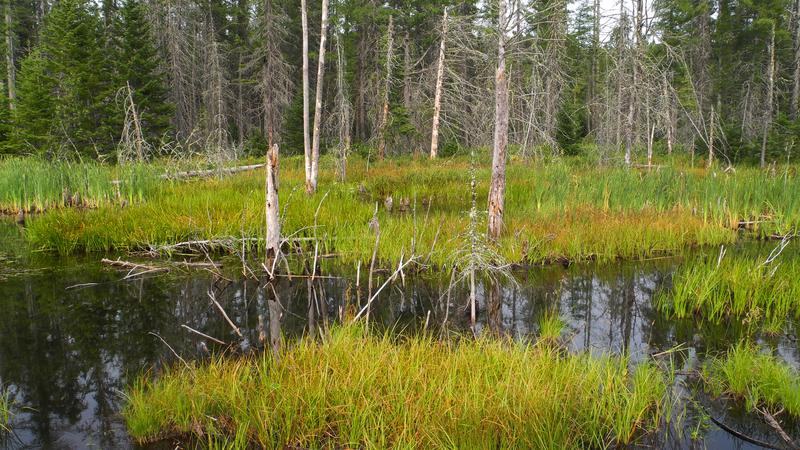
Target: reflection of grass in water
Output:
[(5, 410), (557, 210), (359, 390), (740, 286), (758, 378)]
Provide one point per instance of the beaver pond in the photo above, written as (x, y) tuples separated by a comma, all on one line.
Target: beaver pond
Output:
[(74, 333)]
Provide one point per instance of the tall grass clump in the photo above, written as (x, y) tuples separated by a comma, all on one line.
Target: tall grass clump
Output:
[(358, 390), (758, 378), (35, 185), (739, 287)]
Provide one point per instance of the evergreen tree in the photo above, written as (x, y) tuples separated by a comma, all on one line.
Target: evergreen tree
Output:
[(137, 64), (64, 85)]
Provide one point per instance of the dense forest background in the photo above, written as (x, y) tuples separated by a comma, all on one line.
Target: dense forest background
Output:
[(119, 80)]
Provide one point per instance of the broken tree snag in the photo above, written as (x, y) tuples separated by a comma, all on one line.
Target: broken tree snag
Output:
[(271, 208), (311, 182), (437, 98), (498, 186)]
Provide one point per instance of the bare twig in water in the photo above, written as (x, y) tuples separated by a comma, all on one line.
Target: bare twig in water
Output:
[(172, 350), (771, 421), (203, 335), (224, 315), (386, 283)]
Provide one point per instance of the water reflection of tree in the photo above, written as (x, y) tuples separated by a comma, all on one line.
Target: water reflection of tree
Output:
[(67, 352)]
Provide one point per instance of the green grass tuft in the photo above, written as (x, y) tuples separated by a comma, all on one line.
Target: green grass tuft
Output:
[(358, 390), (760, 379), (740, 287)]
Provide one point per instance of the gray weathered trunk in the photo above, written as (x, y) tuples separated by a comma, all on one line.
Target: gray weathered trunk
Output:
[(311, 182), (271, 208), (498, 185), (306, 137), (10, 69), (770, 96), (437, 98)]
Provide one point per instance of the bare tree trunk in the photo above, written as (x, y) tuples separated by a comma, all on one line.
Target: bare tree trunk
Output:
[(407, 72), (498, 185), (387, 86), (796, 77), (344, 109), (311, 183), (273, 238), (770, 96), (669, 119), (592, 94), (10, 69), (437, 98), (711, 137), (306, 137)]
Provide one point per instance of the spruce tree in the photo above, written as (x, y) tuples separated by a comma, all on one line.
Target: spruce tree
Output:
[(64, 87), (138, 64)]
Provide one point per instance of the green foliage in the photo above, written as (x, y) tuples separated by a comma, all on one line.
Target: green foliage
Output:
[(373, 392), (137, 63), (64, 87)]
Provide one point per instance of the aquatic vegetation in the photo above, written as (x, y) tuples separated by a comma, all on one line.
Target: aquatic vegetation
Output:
[(5, 409), (35, 185), (551, 326), (563, 210), (759, 378), (359, 390), (740, 286)]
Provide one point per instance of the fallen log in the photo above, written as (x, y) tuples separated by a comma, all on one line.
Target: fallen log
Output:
[(211, 172)]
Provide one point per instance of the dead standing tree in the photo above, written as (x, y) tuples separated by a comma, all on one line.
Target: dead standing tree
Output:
[(306, 134), (273, 237), (343, 112), (384, 118), (437, 98), (498, 184), (271, 69), (311, 181)]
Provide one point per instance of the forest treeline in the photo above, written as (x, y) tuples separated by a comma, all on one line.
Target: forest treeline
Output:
[(129, 79)]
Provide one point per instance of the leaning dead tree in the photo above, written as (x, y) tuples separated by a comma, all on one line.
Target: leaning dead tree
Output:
[(497, 187), (311, 181), (132, 145), (437, 98)]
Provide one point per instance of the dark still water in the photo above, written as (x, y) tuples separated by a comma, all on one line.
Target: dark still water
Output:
[(72, 333)]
